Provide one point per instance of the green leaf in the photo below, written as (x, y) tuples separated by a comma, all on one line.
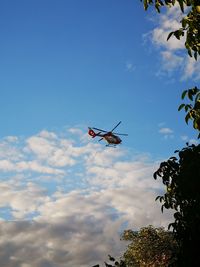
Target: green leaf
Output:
[(184, 22), (155, 175), (181, 5), (189, 52), (184, 94), (195, 124), (171, 225), (170, 34), (190, 94), (173, 158), (187, 107), (187, 117), (197, 98), (162, 208), (111, 258), (181, 106), (157, 7), (157, 198), (145, 5), (177, 34)]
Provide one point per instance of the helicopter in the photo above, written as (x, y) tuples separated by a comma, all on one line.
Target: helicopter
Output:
[(111, 137)]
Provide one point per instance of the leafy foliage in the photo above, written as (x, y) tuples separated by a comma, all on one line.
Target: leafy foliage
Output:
[(189, 25), (152, 247), (182, 180), (193, 109), (112, 260)]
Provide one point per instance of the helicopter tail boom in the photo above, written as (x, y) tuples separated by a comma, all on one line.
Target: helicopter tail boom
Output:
[(91, 133)]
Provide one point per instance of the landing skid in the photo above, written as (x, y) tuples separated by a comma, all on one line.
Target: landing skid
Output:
[(111, 145)]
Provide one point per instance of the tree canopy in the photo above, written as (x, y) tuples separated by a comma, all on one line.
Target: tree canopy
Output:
[(181, 178), (193, 108), (150, 246)]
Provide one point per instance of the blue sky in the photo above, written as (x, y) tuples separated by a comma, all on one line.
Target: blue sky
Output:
[(67, 65), (85, 63)]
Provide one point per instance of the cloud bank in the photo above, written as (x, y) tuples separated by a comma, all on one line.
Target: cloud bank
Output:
[(65, 199)]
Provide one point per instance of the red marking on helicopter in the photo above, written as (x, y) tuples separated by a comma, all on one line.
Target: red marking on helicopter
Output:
[(91, 132), (111, 137)]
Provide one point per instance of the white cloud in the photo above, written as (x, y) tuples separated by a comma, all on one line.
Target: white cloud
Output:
[(9, 149), (21, 166), (48, 148), (6, 165), (171, 61), (130, 67), (36, 167), (47, 134), (22, 199), (74, 220), (40, 146), (191, 69), (190, 141), (193, 141), (167, 23), (11, 139), (165, 130), (184, 137), (173, 53), (76, 131)]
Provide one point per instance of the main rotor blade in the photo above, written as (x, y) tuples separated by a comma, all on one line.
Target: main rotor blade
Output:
[(99, 129), (115, 126), (121, 134)]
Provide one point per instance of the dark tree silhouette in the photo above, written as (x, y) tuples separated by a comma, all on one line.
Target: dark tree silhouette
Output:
[(181, 176)]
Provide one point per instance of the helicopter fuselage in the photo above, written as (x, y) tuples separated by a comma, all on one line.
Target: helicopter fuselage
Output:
[(112, 139), (109, 137)]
